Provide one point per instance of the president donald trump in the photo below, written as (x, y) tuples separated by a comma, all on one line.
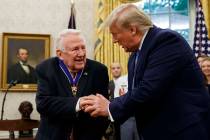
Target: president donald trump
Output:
[(166, 91)]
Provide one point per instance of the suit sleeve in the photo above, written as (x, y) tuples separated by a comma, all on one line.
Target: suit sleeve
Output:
[(163, 65), (48, 101)]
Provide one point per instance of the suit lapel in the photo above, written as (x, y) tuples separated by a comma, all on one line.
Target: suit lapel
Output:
[(142, 58), (131, 65), (82, 83), (144, 53), (63, 80)]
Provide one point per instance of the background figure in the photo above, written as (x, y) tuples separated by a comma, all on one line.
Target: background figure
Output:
[(165, 83), (63, 80), (25, 110), (128, 130), (200, 58), (116, 70), (205, 66), (22, 71)]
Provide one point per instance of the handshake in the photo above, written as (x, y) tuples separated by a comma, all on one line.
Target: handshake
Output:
[(95, 105)]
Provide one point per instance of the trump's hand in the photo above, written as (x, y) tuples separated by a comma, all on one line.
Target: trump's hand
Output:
[(95, 105)]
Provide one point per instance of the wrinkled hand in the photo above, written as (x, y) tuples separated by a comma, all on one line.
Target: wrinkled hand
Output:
[(82, 106), (96, 105)]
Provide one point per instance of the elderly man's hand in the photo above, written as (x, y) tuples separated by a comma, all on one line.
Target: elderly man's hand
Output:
[(95, 105)]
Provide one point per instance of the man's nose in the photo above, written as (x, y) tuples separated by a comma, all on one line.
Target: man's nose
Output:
[(81, 52)]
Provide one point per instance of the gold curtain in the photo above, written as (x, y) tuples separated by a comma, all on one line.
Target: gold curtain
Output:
[(105, 51), (206, 11)]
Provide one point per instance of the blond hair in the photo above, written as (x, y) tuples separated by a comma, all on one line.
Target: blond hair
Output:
[(206, 58), (129, 14)]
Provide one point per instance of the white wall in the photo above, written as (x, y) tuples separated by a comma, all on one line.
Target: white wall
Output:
[(41, 17)]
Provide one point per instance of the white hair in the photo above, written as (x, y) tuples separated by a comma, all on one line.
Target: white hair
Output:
[(64, 33)]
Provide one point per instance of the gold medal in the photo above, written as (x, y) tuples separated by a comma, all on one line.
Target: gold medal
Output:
[(74, 90)]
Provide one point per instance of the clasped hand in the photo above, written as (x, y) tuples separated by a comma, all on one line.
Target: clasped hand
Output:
[(96, 105)]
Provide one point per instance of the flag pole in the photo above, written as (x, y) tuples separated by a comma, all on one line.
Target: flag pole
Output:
[(72, 22)]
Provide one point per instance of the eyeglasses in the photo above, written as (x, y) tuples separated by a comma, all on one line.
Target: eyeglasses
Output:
[(75, 50)]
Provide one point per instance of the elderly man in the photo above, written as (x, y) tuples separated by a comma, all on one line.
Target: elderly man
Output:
[(62, 80), (166, 91)]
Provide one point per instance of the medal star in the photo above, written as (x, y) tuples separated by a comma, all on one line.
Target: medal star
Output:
[(74, 90)]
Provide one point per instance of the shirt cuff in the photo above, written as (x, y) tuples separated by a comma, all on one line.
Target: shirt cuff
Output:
[(110, 116), (77, 106)]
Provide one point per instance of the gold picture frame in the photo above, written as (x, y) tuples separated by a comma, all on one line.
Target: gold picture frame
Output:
[(13, 47)]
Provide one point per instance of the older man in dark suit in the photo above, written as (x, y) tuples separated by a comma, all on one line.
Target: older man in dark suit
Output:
[(62, 80), (166, 91)]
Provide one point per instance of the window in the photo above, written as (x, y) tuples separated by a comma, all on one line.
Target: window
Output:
[(173, 14)]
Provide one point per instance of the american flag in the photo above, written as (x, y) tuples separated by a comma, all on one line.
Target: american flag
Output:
[(72, 22), (201, 43)]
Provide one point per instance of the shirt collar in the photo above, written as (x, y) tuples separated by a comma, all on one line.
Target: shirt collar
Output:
[(22, 63), (145, 34)]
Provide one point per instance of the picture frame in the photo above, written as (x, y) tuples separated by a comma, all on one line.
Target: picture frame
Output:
[(21, 52)]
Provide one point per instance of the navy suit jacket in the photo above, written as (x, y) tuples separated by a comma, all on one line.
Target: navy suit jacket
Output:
[(56, 103), (169, 95)]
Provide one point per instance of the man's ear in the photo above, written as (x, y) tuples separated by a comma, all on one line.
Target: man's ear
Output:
[(58, 53), (133, 29)]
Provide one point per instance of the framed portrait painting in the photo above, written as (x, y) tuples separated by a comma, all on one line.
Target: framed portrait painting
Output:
[(20, 55)]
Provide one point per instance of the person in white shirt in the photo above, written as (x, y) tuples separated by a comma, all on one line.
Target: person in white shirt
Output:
[(116, 70)]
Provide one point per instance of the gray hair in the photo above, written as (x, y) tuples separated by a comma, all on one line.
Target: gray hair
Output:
[(129, 14), (65, 33)]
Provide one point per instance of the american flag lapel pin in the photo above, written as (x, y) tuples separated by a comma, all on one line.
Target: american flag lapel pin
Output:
[(85, 73)]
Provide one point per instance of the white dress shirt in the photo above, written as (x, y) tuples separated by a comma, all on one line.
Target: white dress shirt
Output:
[(25, 67), (121, 85)]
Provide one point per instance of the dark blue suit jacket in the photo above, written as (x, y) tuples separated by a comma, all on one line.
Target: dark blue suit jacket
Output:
[(169, 96), (56, 104)]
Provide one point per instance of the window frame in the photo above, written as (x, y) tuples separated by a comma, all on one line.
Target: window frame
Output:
[(191, 16)]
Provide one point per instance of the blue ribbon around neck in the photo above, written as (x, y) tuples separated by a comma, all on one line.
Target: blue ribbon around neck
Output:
[(72, 81)]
